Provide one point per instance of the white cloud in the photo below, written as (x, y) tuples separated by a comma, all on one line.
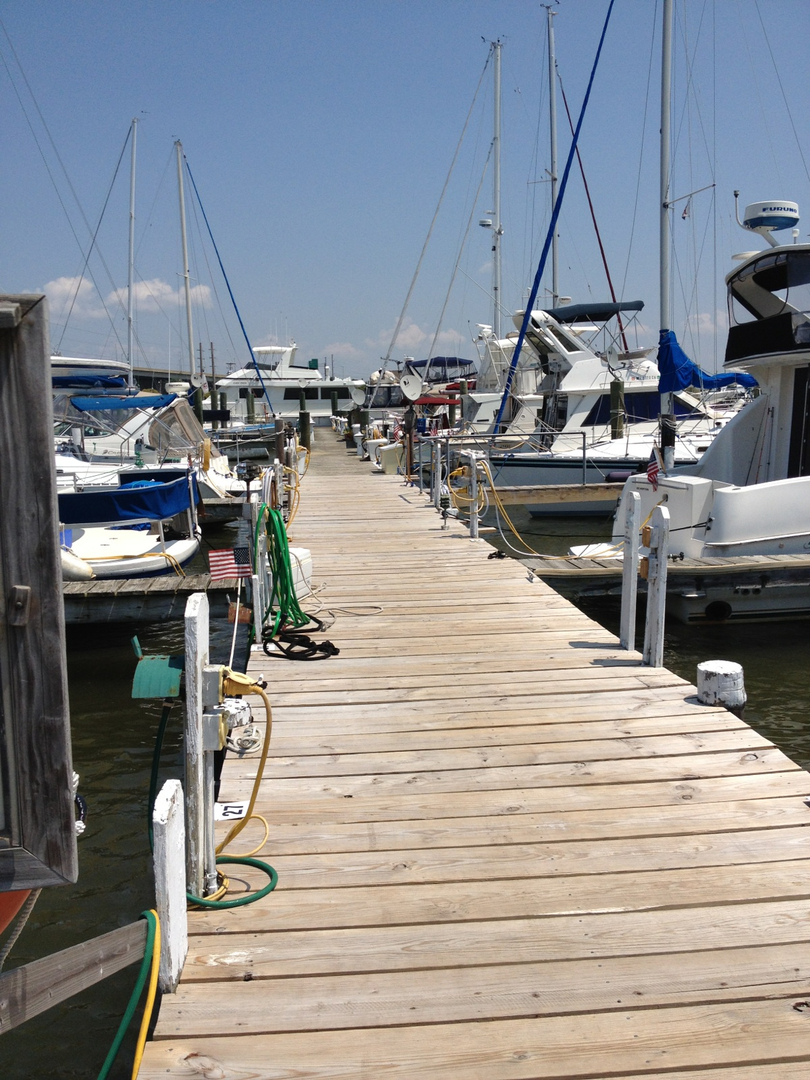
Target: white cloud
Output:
[(155, 295), (344, 350), (410, 336), (74, 295)]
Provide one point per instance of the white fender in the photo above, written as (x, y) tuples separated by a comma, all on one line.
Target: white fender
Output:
[(74, 568)]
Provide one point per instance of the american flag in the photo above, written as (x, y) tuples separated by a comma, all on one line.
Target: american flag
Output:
[(653, 469), (229, 563)]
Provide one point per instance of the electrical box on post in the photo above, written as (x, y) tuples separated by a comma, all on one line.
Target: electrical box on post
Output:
[(37, 820)]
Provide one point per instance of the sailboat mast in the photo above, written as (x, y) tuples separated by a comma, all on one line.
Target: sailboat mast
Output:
[(552, 106), (496, 172), (131, 263), (179, 148), (665, 315), (664, 322)]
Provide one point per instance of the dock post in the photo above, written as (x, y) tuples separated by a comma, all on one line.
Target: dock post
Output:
[(260, 585), (304, 429), (627, 631), (196, 634), (656, 588), (436, 473), (170, 882), (473, 489), (278, 470), (722, 682)]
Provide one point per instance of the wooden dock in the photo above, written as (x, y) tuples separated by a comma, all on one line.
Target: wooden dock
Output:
[(138, 600), (505, 849)]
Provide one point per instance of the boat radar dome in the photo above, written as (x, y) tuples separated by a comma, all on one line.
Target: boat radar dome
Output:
[(767, 217)]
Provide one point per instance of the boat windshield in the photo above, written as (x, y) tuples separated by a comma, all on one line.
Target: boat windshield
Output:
[(775, 284)]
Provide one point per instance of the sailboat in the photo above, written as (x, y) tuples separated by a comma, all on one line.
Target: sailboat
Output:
[(742, 513), (103, 424), (600, 407)]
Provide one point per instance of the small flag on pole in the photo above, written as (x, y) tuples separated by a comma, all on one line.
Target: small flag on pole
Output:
[(229, 563), (653, 468)]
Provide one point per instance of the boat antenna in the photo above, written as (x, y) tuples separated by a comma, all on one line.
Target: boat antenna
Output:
[(552, 225)]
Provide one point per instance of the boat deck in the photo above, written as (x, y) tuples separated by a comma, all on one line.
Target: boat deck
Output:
[(505, 849)]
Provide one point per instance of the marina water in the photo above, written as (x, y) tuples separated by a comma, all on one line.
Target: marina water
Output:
[(113, 742)]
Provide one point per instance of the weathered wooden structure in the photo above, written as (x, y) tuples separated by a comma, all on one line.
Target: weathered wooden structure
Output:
[(37, 830), (140, 600)]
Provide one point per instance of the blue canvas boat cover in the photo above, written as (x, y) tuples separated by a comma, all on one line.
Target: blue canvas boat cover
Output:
[(597, 313), (141, 501), (450, 366), (677, 371), (98, 404)]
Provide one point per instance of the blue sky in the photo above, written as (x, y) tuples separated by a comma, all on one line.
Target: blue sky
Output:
[(320, 134)]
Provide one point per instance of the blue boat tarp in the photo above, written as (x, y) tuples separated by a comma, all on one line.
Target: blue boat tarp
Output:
[(677, 371), (592, 313), (140, 501), (443, 368), (100, 404)]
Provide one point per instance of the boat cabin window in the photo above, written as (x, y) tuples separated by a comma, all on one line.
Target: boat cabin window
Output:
[(293, 393), (565, 343), (777, 282)]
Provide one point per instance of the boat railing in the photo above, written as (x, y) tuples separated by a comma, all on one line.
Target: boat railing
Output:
[(455, 445)]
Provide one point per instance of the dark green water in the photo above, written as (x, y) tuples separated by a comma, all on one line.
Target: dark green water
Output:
[(113, 739)]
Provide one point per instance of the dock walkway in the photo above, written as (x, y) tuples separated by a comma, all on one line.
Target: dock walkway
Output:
[(505, 849)]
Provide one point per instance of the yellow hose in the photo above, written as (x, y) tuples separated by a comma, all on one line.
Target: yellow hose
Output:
[(150, 1000), (238, 826)]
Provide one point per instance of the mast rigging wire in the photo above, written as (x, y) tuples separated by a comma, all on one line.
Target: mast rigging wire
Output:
[(552, 225), (93, 238), (593, 217), (398, 327), (227, 283), (464, 240)]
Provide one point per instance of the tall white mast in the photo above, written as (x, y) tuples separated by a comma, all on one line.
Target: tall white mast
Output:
[(552, 106), (179, 149), (666, 107), (665, 315), (496, 172), (130, 272)]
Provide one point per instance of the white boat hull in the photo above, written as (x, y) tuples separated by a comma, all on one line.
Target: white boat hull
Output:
[(128, 553)]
